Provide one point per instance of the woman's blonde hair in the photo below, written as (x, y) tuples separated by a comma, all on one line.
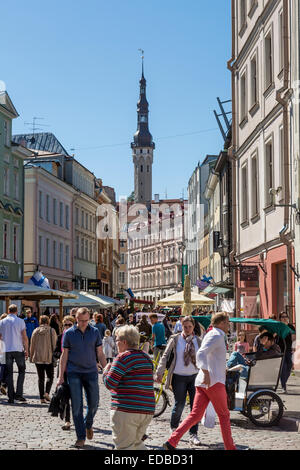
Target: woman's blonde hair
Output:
[(129, 334), (107, 333), (68, 318)]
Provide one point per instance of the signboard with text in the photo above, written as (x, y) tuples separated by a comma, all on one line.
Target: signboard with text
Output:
[(249, 273)]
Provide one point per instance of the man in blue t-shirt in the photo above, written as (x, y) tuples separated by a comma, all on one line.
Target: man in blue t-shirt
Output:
[(81, 347), (31, 323), (158, 336)]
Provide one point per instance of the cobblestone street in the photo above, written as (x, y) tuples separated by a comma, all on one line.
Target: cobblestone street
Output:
[(30, 426)]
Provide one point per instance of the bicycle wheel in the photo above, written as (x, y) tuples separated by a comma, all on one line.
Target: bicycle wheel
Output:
[(265, 409), (161, 401)]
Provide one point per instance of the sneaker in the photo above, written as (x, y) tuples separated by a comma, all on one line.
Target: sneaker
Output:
[(20, 398), (168, 446), (89, 433), (194, 440), (79, 444), (10, 400)]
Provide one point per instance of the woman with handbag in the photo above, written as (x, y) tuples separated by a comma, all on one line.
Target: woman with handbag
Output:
[(180, 359), (42, 345)]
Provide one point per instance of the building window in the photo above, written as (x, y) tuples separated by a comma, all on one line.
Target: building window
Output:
[(54, 254), (281, 161), (243, 91), (82, 219), (268, 173), (87, 221), (77, 246), (254, 81), (48, 208), (76, 216), (243, 12), (6, 134), (15, 244), (40, 204), (54, 211), (245, 193), (281, 42), (61, 214), (67, 217), (61, 256), (6, 240), (16, 185), (67, 257), (91, 252), (40, 259), (6, 181), (86, 250), (82, 248), (255, 186), (268, 60), (47, 252)]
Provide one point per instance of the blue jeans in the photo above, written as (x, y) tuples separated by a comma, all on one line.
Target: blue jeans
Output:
[(89, 382), (19, 357), (181, 385)]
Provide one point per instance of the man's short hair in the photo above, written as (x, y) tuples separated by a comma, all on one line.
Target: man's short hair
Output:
[(12, 308), (73, 311), (82, 311), (268, 335), (130, 334), (218, 318), (153, 315)]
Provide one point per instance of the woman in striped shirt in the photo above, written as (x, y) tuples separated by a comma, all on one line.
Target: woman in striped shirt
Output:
[(130, 380)]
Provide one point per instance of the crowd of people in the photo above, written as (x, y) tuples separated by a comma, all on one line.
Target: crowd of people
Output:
[(120, 347)]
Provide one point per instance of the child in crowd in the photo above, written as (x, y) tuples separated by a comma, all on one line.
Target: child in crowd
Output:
[(242, 346), (108, 345)]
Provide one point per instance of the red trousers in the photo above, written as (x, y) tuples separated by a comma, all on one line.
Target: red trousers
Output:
[(217, 395)]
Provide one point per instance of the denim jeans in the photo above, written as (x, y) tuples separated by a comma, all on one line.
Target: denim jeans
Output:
[(286, 369), (89, 382), (19, 357), (181, 385)]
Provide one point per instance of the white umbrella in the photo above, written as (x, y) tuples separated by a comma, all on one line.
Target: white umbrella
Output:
[(178, 299)]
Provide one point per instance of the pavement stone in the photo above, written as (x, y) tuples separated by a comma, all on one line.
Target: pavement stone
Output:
[(30, 426)]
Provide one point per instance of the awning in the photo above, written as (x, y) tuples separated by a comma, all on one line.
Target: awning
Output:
[(111, 300), (84, 299), (19, 291), (216, 290)]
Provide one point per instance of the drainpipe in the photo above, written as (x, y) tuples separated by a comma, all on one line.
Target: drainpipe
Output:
[(284, 101)]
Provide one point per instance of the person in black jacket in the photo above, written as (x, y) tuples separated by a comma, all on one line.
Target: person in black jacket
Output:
[(68, 322)]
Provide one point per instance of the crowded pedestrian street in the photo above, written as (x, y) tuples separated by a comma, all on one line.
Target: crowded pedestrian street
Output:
[(29, 426)]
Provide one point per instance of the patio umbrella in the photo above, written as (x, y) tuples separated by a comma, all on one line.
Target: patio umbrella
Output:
[(83, 299), (178, 299)]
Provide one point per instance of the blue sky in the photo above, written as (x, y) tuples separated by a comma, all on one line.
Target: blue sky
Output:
[(76, 64)]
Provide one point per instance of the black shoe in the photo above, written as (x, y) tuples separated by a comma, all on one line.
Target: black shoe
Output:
[(144, 437), (10, 400), (168, 446), (20, 398)]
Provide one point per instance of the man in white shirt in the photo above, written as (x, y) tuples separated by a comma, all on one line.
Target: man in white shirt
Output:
[(178, 326), (13, 334), (210, 383)]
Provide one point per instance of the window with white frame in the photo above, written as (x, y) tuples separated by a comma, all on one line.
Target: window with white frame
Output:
[(243, 96), (40, 258), (61, 214), (281, 41), (6, 240), (67, 217), (67, 255), (54, 254), (243, 13), (6, 181), (254, 80), (61, 256), (54, 211), (40, 204), (244, 188), (281, 161), (82, 248), (86, 254), (16, 185), (6, 133), (254, 185), (77, 246), (268, 60), (269, 172), (76, 215), (15, 243), (47, 252), (48, 208)]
